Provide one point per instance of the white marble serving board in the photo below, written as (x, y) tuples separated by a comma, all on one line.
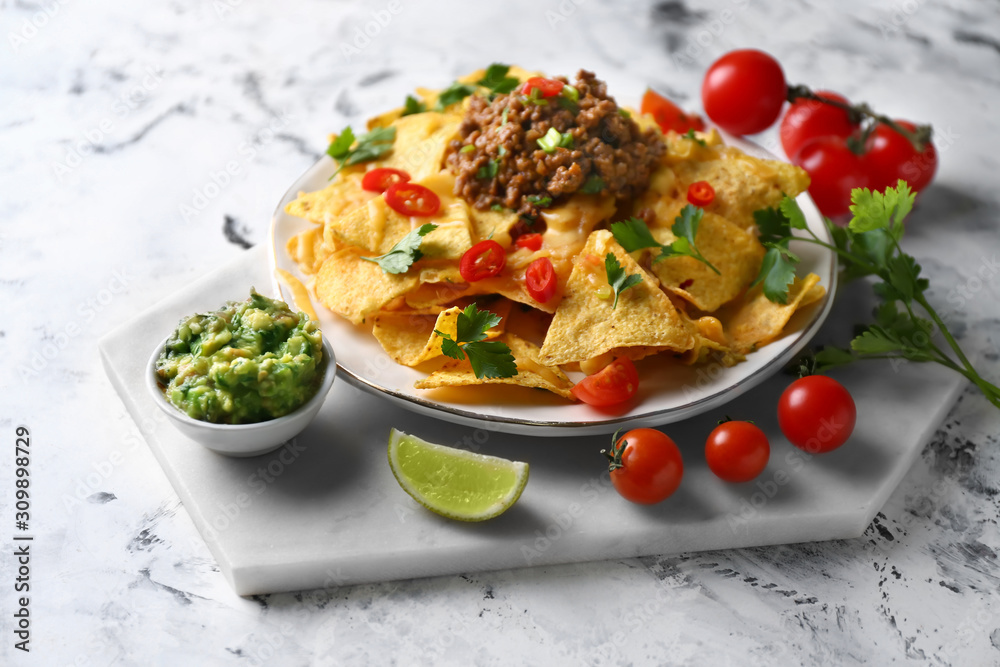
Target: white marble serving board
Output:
[(325, 510)]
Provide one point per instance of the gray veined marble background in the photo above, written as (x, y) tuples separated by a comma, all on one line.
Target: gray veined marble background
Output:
[(142, 145)]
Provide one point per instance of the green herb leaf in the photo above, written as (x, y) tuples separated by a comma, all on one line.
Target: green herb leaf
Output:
[(370, 146), (633, 234), (790, 209), (685, 228), (878, 210), (496, 207), (777, 272), (691, 135), (490, 359), (593, 185), (454, 93), (540, 201), (413, 105), (407, 251), (497, 81), (617, 278)]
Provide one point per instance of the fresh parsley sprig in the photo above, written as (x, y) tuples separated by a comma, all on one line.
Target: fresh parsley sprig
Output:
[(869, 246), (633, 234), (490, 359), (617, 278), (370, 146), (413, 105), (401, 256), (496, 80)]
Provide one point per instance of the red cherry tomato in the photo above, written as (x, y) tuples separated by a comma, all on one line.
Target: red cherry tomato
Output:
[(668, 115), (412, 199), (701, 193), (615, 383), (646, 466), (540, 280), (816, 413), (834, 170), (529, 241), (378, 180), (890, 156), (808, 119), (546, 87), (483, 260), (743, 91), (737, 451)]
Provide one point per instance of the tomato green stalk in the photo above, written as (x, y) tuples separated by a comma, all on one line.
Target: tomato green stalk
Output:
[(920, 138)]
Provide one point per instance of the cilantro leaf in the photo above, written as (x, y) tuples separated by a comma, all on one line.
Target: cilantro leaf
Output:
[(497, 81), (633, 234), (777, 272), (456, 92), (617, 278), (491, 359), (878, 210), (541, 201), (790, 209), (370, 146), (691, 135), (772, 225), (401, 257), (593, 185), (413, 105)]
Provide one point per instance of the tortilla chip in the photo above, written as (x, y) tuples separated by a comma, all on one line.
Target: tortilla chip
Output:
[(338, 198), (309, 249), (354, 288), (376, 227), (737, 255), (585, 325), (410, 339), (530, 372), (742, 183), (759, 321), (421, 140)]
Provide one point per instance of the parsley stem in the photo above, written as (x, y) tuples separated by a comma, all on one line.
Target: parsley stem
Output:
[(815, 240)]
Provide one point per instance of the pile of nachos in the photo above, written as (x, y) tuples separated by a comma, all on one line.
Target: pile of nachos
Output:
[(399, 273)]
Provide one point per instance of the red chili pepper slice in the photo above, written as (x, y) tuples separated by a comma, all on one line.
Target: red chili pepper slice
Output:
[(701, 193), (483, 260), (378, 180), (529, 241), (546, 87), (540, 280), (412, 199)]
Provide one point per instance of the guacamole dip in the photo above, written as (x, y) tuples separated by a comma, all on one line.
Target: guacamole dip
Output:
[(251, 361)]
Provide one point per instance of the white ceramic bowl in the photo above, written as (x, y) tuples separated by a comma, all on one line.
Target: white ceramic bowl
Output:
[(244, 439)]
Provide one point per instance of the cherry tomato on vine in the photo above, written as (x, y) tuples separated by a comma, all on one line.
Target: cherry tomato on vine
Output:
[(808, 119), (646, 465), (743, 91), (834, 170), (615, 383), (817, 414), (890, 156), (668, 115), (540, 280), (737, 451), (412, 199), (483, 260), (530, 241), (379, 180), (701, 193), (546, 87)]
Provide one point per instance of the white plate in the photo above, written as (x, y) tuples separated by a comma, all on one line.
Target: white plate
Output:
[(665, 396)]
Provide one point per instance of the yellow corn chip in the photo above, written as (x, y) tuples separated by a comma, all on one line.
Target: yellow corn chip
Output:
[(759, 321), (737, 255), (530, 372), (309, 249), (410, 339), (585, 325), (421, 140), (341, 196), (354, 288)]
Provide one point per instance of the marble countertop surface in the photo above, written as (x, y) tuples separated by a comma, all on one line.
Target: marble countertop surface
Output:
[(142, 146)]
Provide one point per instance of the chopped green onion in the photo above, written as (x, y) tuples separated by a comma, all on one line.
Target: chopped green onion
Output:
[(535, 97), (541, 201), (502, 151), (554, 139), (467, 148), (571, 93), (624, 113), (497, 207), (503, 116)]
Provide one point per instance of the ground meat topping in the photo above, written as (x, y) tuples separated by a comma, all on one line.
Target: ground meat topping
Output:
[(507, 166)]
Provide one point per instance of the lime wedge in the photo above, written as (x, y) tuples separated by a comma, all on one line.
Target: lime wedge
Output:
[(455, 483)]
